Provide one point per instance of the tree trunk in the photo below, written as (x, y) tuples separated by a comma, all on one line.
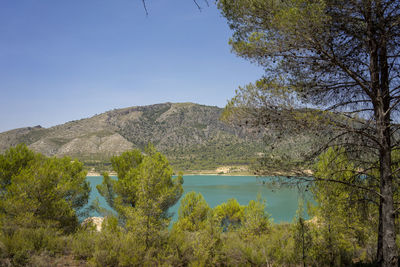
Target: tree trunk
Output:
[(387, 228), (377, 43), (388, 223), (389, 250), (379, 253)]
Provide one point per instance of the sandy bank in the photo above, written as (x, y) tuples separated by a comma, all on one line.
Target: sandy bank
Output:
[(94, 173)]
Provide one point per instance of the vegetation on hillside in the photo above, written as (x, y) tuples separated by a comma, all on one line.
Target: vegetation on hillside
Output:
[(190, 135)]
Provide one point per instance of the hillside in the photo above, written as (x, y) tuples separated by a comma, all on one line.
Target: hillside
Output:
[(191, 135)]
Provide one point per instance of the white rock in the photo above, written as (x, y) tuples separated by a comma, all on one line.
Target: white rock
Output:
[(97, 221)]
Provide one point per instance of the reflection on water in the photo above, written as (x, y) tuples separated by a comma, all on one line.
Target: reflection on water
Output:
[(281, 204)]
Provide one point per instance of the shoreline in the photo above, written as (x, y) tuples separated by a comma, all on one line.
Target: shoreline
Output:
[(94, 174), (225, 171), (97, 174), (188, 174), (217, 174)]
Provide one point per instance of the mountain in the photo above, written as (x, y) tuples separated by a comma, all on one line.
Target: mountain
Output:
[(191, 135)]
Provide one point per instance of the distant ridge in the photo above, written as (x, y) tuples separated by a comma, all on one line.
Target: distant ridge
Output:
[(191, 135)]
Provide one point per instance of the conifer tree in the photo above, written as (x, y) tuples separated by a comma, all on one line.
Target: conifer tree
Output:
[(37, 191), (333, 67), (142, 193)]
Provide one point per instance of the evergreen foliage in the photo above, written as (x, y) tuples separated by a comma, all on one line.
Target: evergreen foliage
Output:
[(39, 202), (144, 184), (331, 68), (229, 215), (42, 231), (193, 213)]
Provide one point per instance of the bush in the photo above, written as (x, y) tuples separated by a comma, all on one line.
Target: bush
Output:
[(83, 243), (25, 242)]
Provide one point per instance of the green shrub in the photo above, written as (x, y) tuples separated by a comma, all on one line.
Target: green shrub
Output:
[(25, 242), (83, 243)]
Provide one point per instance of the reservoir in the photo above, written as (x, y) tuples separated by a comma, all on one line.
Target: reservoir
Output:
[(281, 203)]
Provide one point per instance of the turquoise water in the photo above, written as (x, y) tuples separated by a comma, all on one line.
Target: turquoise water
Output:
[(281, 204)]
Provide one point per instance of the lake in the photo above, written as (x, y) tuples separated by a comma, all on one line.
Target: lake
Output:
[(216, 189)]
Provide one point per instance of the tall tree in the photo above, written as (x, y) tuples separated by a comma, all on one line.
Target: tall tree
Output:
[(143, 192), (37, 191), (337, 57)]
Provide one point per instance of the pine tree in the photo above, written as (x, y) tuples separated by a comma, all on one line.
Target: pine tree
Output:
[(340, 58)]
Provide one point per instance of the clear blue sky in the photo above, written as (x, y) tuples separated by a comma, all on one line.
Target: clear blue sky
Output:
[(62, 60)]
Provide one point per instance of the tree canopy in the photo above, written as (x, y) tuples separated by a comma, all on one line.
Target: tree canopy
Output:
[(37, 191), (331, 66), (142, 193)]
